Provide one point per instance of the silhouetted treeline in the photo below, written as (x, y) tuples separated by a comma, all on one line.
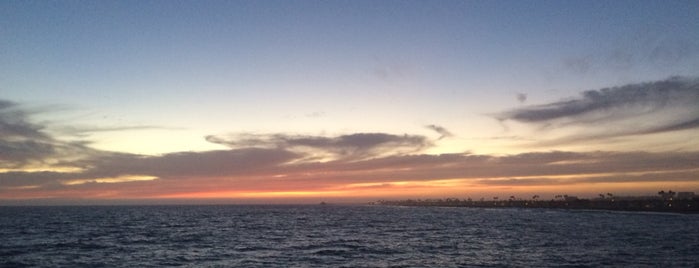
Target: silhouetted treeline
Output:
[(625, 204)]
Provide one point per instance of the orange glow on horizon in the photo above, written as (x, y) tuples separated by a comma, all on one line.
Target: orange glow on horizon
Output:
[(140, 188), (458, 188)]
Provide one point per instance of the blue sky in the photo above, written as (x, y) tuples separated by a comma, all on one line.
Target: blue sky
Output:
[(157, 77)]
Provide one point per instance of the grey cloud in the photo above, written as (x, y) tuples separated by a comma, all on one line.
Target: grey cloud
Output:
[(667, 52), (580, 65), (666, 105), (247, 161), (521, 97), (5, 104), (14, 123), (239, 166), (694, 123), (654, 95), (23, 142), (476, 167), (350, 147), (17, 153), (644, 49), (441, 130), (34, 179), (209, 164), (256, 168)]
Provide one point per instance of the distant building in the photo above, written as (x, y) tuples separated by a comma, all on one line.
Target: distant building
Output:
[(685, 195)]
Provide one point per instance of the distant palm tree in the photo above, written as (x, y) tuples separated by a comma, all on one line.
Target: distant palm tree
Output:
[(671, 194)]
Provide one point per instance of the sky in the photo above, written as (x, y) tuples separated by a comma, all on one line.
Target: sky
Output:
[(345, 101)]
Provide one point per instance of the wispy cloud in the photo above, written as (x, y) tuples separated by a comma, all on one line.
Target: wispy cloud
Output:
[(14, 123), (441, 130), (521, 97), (24, 144), (645, 108), (649, 97), (656, 51), (85, 131)]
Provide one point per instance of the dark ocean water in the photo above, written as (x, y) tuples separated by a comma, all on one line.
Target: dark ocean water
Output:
[(342, 236)]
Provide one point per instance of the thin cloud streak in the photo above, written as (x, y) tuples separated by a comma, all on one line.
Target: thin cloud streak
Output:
[(648, 97), (85, 131), (635, 109), (441, 131)]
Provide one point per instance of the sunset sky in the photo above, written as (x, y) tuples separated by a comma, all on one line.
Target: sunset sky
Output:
[(308, 101)]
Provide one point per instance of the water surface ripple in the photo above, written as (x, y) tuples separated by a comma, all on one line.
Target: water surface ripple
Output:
[(342, 236)]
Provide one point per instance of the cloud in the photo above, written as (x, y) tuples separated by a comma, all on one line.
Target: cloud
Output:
[(647, 50), (283, 162), (441, 130), (276, 169), (580, 65), (521, 97), (346, 147), (84, 131), (693, 123), (14, 123), (644, 108), (24, 144), (646, 96), (19, 179), (246, 161)]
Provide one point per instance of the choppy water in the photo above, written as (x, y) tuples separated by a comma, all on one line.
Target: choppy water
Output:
[(341, 236)]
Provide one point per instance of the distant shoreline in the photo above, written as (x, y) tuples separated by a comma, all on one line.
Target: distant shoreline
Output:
[(689, 206)]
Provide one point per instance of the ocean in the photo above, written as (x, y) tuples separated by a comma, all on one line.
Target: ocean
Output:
[(342, 236)]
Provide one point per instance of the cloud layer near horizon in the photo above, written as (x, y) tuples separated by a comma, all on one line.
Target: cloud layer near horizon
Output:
[(256, 169), (36, 164)]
